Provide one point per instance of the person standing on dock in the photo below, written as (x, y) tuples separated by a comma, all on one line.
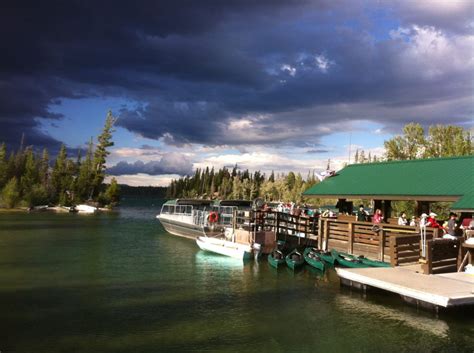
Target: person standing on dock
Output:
[(452, 224), (402, 220), (432, 222), (378, 218), (361, 214)]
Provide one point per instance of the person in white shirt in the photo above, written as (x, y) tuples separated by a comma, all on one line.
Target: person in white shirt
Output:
[(402, 220)]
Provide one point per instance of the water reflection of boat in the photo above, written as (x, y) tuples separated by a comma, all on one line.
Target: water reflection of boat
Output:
[(358, 305), (86, 209), (204, 258)]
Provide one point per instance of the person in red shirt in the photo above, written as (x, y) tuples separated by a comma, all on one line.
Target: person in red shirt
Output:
[(431, 221), (377, 218)]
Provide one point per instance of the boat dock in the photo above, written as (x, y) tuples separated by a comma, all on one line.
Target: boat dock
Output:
[(431, 291)]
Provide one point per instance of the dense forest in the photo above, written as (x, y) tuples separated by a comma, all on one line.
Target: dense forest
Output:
[(237, 184), (28, 178), (439, 141), (158, 192)]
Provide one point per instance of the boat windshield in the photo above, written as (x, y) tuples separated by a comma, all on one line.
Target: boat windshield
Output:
[(177, 209)]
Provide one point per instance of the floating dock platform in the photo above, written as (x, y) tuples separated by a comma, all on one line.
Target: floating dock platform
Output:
[(431, 291)]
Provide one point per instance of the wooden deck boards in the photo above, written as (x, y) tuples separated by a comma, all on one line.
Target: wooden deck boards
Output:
[(445, 290)]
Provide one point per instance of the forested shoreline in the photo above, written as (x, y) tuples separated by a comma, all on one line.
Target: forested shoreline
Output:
[(414, 143), (29, 179)]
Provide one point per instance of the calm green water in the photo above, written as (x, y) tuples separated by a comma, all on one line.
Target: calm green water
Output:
[(118, 283)]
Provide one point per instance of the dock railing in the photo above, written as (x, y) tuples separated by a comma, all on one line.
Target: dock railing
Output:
[(283, 225), (382, 241), (441, 256), (386, 242)]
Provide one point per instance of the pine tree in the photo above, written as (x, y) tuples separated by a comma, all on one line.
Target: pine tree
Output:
[(112, 193), (3, 165), (85, 178), (104, 141), (30, 175), (272, 177), (362, 156), (11, 193), (44, 168)]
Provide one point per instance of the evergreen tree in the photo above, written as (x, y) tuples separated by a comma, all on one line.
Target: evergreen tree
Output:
[(104, 141), (3, 165), (11, 193), (30, 176), (44, 168), (272, 177), (112, 193), (362, 156), (84, 181), (290, 180), (58, 175)]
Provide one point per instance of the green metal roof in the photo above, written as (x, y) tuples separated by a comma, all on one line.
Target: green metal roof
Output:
[(434, 179), (465, 203)]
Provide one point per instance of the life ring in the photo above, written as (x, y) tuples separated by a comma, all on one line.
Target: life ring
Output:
[(213, 217), (376, 228)]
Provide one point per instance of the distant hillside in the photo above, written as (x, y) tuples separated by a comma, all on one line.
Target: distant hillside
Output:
[(154, 191)]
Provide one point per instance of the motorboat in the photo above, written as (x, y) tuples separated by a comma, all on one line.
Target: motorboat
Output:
[(225, 247)]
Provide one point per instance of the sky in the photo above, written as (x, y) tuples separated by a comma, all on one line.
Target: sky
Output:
[(267, 85)]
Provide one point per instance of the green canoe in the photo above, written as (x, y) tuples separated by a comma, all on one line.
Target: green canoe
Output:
[(373, 263), (347, 260), (326, 256), (313, 258), (276, 258), (294, 259)]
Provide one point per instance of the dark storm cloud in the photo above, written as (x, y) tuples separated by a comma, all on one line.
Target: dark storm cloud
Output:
[(112, 48), (289, 71)]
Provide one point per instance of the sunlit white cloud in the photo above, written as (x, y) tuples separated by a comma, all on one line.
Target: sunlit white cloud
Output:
[(323, 63), (288, 69), (141, 179)]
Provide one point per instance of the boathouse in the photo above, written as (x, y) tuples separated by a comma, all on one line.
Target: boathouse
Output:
[(423, 181)]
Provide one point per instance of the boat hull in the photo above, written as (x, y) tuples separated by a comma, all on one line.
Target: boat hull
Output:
[(347, 260), (186, 230), (273, 262), (324, 255), (315, 261), (226, 248), (373, 263), (294, 264)]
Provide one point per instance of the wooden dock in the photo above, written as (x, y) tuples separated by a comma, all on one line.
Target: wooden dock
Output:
[(431, 291)]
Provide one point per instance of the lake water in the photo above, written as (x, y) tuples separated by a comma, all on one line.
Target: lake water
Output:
[(117, 282)]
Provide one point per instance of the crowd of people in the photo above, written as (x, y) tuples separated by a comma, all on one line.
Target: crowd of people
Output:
[(451, 227)]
